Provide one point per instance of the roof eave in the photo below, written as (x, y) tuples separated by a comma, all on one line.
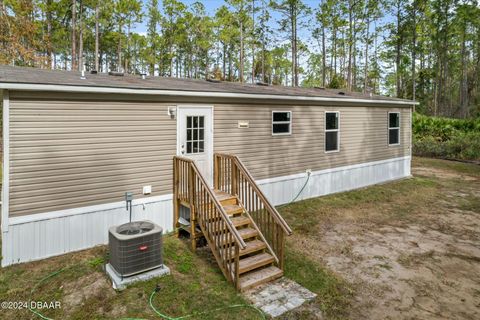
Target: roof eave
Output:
[(90, 89)]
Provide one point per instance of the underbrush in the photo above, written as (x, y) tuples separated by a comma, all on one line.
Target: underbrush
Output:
[(446, 138)]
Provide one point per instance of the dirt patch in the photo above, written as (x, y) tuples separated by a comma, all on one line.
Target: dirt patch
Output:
[(441, 173), (419, 259), (85, 288)]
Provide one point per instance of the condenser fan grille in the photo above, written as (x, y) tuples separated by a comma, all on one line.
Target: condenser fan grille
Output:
[(137, 227)]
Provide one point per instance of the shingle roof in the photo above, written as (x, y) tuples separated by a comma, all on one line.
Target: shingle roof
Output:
[(25, 75)]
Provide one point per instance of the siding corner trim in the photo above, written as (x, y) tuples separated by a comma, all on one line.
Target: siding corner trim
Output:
[(6, 160)]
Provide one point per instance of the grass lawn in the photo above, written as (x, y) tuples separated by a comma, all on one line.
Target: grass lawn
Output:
[(325, 254)]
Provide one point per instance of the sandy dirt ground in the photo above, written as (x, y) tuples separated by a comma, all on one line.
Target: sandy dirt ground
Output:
[(425, 264)]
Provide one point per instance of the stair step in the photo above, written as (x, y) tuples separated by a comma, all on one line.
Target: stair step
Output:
[(252, 246), (254, 262), (258, 277), (232, 209), (245, 233), (239, 221), (225, 198)]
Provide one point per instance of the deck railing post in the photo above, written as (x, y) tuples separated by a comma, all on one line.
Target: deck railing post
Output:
[(192, 200), (175, 194), (236, 280), (234, 177), (281, 249), (215, 171)]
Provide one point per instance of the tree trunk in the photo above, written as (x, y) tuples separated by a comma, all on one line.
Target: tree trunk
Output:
[(229, 66), (126, 70), (398, 52), (240, 72), (334, 69), (50, 54), (119, 50), (80, 39), (324, 58), (74, 36), (367, 40), (224, 63), (414, 50), (293, 14), (464, 82), (253, 41), (350, 44), (97, 37)]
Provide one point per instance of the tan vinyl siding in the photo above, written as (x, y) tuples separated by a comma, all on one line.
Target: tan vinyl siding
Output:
[(82, 150), (363, 138), (66, 154)]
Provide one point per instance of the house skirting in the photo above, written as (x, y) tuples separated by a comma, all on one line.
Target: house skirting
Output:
[(281, 190), (43, 235), (39, 236)]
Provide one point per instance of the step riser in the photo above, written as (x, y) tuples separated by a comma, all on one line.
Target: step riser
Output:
[(256, 266), (236, 226), (268, 278), (218, 218), (256, 249), (242, 254), (227, 202), (224, 243)]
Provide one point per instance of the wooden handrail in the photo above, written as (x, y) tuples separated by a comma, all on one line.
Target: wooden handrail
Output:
[(286, 228), (262, 237), (190, 188), (231, 176), (218, 206)]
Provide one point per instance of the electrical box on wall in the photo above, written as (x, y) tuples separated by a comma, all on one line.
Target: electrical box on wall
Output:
[(147, 189), (243, 124)]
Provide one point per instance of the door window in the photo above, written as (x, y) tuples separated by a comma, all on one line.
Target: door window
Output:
[(195, 134)]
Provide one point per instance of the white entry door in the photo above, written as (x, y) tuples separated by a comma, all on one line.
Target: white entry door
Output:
[(195, 137)]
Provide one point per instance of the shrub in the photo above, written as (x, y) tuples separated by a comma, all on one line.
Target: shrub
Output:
[(446, 138)]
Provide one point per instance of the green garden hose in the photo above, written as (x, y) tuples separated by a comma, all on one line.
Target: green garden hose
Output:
[(53, 274), (299, 192), (260, 312)]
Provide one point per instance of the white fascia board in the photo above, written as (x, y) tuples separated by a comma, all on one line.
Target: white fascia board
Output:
[(206, 94)]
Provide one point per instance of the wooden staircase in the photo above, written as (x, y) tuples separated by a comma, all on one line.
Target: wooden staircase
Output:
[(244, 231)]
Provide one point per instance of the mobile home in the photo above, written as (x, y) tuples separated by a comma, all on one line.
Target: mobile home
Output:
[(73, 145)]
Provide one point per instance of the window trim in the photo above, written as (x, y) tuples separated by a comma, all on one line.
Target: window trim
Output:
[(289, 133), (330, 130), (388, 128)]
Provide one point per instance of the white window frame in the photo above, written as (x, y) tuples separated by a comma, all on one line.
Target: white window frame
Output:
[(331, 130), (282, 122), (388, 128)]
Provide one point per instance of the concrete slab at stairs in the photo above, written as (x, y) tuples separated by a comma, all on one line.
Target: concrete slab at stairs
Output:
[(277, 297)]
